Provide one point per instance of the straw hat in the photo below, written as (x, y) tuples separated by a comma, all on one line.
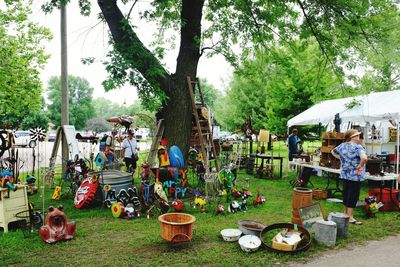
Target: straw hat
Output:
[(350, 134)]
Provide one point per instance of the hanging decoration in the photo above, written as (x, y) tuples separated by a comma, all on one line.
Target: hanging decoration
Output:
[(37, 134)]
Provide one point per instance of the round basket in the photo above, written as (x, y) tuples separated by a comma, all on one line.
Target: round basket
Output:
[(304, 244), (176, 227)]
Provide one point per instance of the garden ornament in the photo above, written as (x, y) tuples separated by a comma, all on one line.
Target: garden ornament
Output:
[(163, 156), (119, 210), (7, 180), (199, 200), (243, 205), (220, 209), (85, 194), (57, 228), (371, 207), (177, 205), (235, 193), (30, 182), (234, 207), (57, 193), (123, 120), (259, 200), (192, 157), (158, 189), (37, 134), (5, 144)]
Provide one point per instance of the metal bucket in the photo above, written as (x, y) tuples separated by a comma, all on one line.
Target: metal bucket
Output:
[(113, 181), (342, 222), (249, 227), (326, 232)]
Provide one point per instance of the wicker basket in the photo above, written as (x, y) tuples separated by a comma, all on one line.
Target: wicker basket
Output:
[(320, 193), (176, 227)]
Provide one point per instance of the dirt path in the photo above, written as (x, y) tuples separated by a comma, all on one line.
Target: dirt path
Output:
[(374, 253)]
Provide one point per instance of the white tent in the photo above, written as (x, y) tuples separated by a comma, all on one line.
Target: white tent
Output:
[(366, 108), (375, 107), (323, 112)]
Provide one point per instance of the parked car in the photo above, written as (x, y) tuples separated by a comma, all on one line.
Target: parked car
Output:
[(23, 138), (51, 136), (233, 137)]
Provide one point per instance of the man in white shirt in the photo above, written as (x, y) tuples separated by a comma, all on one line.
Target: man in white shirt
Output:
[(109, 146), (130, 152)]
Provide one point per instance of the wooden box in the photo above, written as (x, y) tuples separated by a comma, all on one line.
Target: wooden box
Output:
[(12, 203), (283, 246)]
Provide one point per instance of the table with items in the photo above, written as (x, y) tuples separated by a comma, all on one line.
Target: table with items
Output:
[(391, 177)]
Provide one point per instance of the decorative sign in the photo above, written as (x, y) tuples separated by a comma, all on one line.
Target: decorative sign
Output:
[(309, 215)]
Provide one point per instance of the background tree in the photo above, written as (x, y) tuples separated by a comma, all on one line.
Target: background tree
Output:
[(232, 24), (98, 125), (37, 119), (80, 101), (21, 58), (379, 58), (277, 85), (105, 108), (210, 93)]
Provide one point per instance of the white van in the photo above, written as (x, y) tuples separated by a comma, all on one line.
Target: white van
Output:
[(23, 138)]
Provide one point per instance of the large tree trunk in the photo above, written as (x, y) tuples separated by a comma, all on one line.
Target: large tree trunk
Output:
[(177, 111)]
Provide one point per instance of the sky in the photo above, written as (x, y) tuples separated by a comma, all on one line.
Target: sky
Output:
[(86, 37)]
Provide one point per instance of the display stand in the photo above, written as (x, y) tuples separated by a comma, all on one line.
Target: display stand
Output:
[(12, 203), (330, 140)]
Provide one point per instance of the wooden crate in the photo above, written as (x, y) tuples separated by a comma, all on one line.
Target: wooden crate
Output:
[(11, 203), (327, 149)]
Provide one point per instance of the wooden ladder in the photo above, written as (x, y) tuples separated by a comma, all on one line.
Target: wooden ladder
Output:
[(158, 134), (201, 125)]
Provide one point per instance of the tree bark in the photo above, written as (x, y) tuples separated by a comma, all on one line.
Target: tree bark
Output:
[(177, 111)]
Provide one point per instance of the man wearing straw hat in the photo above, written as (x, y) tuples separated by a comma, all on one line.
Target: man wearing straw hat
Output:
[(352, 160)]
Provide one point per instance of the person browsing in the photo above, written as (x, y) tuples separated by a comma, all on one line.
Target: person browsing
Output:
[(352, 162), (293, 141), (130, 152)]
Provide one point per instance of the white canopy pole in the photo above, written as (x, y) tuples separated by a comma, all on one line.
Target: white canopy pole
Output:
[(397, 155)]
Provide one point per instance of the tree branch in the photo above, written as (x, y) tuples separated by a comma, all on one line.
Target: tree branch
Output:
[(189, 50), (130, 10), (315, 34), (212, 47), (131, 48)]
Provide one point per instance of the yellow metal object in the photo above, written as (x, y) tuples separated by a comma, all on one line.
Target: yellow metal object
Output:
[(107, 187), (57, 193)]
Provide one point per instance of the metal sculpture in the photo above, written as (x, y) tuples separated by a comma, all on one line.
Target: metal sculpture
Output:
[(57, 228)]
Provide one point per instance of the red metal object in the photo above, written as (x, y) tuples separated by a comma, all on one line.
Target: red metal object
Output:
[(389, 202), (177, 205), (86, 192), (57, 228)]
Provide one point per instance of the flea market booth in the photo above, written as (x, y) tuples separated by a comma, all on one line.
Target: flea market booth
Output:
[(377, 116)]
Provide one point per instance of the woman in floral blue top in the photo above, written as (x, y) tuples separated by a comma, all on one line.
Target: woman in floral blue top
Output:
[(352, 160)]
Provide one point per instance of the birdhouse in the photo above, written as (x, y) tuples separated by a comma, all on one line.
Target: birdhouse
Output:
[(100, 159)]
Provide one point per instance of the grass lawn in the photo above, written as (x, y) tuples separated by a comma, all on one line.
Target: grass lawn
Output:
[(104, 241)]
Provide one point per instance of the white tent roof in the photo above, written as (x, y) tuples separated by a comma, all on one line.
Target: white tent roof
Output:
[(373, 107)]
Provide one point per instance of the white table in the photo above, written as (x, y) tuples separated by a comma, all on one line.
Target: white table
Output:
[(386, 177)]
